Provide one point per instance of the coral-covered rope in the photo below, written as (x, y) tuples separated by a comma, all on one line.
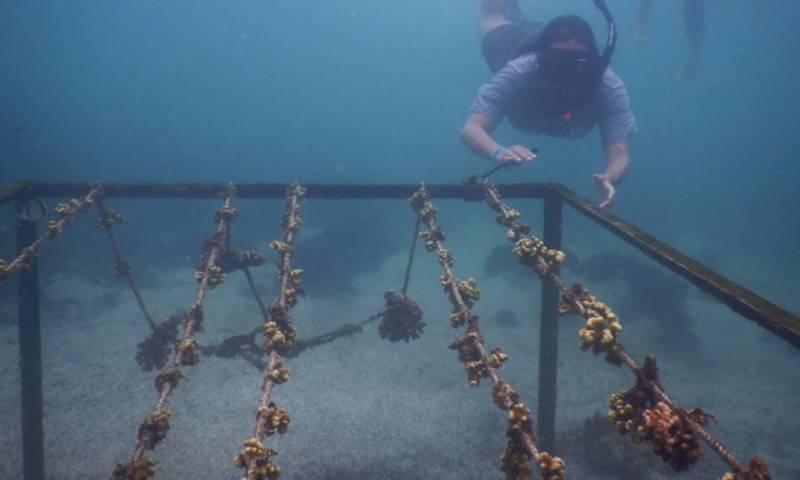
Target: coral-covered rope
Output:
[(55, 228), (279, 337), (106, 223), (479, 362), (544, 261), (154, 428)]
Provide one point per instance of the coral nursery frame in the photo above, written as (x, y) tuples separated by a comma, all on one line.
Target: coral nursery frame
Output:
[(743, 301)]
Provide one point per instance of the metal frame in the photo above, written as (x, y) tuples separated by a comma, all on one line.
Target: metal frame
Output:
[(743, 301)]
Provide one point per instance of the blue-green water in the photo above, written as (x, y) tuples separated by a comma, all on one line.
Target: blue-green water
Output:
[(357, 91), (376, 91)]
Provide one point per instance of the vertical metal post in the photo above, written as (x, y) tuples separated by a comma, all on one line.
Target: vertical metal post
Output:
[(548, 331), (30, 358)]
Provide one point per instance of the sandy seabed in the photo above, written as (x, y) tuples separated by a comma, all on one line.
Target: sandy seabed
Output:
[(365, 408)]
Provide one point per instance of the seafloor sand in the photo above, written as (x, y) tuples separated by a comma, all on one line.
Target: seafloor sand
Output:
[(364, 408)]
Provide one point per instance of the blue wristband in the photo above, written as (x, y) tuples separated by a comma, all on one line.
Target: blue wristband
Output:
[(500, 150)]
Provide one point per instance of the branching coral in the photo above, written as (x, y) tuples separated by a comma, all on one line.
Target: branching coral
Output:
[(257, 460), (153, 351), (154, 429), (274, 419), (530, 250), (401, 319), (516, 457), (186, 350), (602, 329), (167, 379), (640, 412), (279, 374), (140, 469), (108, 217), (671, 436), (552, 467), (627, 409), (432, 236)]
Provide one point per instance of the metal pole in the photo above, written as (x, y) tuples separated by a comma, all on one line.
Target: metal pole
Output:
[(548, 331), (30, 358)]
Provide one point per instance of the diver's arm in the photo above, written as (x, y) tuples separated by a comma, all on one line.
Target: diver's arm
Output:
[(618, 163), (477, 136)]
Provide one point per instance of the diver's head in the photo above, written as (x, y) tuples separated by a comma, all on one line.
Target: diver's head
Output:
[(567, 50), (570, 65), (568, 32)]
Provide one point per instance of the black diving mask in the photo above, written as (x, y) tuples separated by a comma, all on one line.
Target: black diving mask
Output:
[(568, 66)]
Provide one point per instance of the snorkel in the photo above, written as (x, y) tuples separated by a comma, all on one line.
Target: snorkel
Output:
[(611, 42)]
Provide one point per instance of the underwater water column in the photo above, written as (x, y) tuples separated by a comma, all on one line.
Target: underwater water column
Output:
[(30, 357)]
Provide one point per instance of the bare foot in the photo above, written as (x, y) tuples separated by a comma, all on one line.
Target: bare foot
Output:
[(689, 72), (641, 34)]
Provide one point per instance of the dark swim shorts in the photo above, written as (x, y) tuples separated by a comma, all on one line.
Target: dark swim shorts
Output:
[(502, 44)]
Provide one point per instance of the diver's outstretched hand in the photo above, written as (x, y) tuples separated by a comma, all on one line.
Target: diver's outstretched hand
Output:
[(516, 154), (606, 190)]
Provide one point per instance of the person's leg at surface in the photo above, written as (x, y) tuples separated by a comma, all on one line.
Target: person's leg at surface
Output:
[(497, 32), (695, 14), (641, 30), (496, 13), (505, 32)]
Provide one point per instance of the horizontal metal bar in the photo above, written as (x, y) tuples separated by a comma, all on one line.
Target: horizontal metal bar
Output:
[(269, 190), (741, 300)]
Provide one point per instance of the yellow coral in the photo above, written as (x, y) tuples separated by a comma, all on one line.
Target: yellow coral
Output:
[(278, 246), (62, 209)]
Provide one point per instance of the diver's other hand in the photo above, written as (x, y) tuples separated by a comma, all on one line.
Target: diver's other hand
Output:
[(606, 190), (514, 155)]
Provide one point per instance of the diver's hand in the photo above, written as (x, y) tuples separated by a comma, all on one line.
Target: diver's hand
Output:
[(514, 155), (606, 190)]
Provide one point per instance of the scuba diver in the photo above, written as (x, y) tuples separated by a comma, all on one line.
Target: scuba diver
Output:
[(694, 14), (549, 80)]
